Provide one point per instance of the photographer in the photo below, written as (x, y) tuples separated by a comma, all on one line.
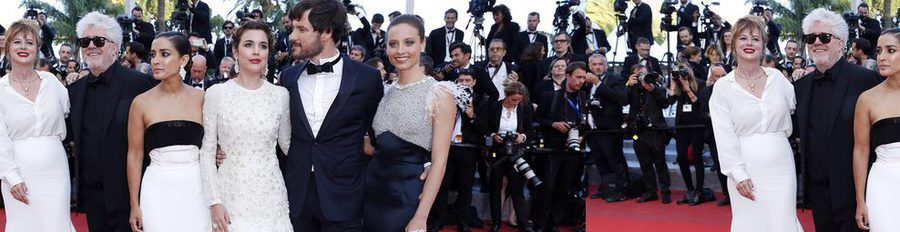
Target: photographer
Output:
[(48, 34), (639, 24), (65, 54), (689, 128), (561, 45), (774, 32), (685, 39), (501, 72), (223, 46), (860, 49), (461, 53), (647, 126), (716, 29), (510, 116), (688, 16), (791, 47), (869, 28), (508, 31), (562, 114), (200, 16), (465, 151), (587, 40), (370, 36), (696, 63), (605, 138), (142, 31), (642, 57)]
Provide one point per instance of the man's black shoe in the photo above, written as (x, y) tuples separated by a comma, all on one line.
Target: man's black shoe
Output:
[(724, 202), (647, 197), (666, 197), (597, 195)]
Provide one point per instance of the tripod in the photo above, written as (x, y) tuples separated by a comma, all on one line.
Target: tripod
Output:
[(477, 40), (668, 57), (621, 30)]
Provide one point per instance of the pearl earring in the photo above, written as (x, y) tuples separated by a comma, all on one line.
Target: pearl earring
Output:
[(182, 73)]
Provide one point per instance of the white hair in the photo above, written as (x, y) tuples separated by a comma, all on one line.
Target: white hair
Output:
[(830, 19), (99, 20)]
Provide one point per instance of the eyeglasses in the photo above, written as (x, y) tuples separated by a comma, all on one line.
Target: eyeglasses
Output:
[(824, 37), (561, 41), (228, 28), (86, 41)]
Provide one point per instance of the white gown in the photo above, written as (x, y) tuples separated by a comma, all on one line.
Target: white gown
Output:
[(31, 151), (751, 135), (882, 187), (246, 124)]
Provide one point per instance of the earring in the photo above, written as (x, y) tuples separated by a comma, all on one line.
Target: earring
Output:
[(182, 73)]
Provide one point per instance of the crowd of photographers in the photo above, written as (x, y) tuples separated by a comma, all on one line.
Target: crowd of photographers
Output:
[(542, 104)]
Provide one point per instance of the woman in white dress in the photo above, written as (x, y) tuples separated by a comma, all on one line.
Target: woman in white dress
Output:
[(164, 123), (33, 166), (877, 125), (751, 117), (246, 116)]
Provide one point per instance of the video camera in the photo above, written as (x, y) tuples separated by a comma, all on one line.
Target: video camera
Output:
[(650, 78), (126, 23), (707, 13), (181, 16), (518, 157), (243, 13), (759, 8), (852, 19), (620, 6), (32, 12), (477, 8), (563, 12), (667, 8)]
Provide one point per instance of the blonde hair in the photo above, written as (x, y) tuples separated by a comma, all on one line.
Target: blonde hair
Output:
[(749, 23), (26, 26), (515, 87)]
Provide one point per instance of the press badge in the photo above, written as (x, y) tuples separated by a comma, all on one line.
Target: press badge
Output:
[(686, 108)]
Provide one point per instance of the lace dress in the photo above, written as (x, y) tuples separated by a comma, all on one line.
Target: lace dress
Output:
[(247, 124), (403, 134)]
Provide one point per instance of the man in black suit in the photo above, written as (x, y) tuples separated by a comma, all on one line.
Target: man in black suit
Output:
[(200, 15), (642, 57), (688, 15), (98, 119), (869, 28), (774, 32), (370, 36), (223, 45), (557, 113), (48, 34), (439, 40), (586, 39), (532, 35), (605, 139), (198, 47), (639, 23), (142, 32), (826, 100), (561, 46), (282, 52), (65, 54), (498, 70), (713, 34), (646, 126), (461, 54), (322, 173)]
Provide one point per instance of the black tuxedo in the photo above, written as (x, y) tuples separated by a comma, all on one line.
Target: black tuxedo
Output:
[(827, 155), (569, 57), (774, 32), (48, 33), (99, 119), (508, 34), (872, 31), (220, 50), (607, 141), (685, 15), (145, 34), (525, 37), (363, 36), (581, 44), (436, 46), (336, 152), (631, 60), (200, 21), (640, 24)]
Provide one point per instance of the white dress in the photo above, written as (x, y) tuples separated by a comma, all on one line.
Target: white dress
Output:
[(882, 187), (31, 151), (751, 135), (246, 124)]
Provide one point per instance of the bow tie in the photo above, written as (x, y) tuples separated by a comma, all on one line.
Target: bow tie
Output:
[(823, 76), (493, 65), (532, 32), (92, 80), (312, 69)]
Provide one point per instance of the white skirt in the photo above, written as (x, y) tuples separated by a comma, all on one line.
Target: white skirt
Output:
[(769, 162), (45, 172), (882, 189), (172, 196)]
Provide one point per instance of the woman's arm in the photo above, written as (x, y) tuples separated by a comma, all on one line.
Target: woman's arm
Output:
[(135, 160), (861, 127), (284, 124), (443, 119)]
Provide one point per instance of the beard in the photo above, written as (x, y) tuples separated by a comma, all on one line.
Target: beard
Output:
[(307, 52)]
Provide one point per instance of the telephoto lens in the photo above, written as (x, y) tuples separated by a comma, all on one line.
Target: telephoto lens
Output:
[(572, 140), (525, 170)]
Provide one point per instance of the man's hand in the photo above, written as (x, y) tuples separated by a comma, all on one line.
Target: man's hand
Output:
[(632, 80), (593, 79), (280, 56), (561, 127), (470, 111), (513, 76)]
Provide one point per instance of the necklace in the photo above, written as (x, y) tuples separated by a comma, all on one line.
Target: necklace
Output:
[(752, 81), (405, 86), (25, 85)]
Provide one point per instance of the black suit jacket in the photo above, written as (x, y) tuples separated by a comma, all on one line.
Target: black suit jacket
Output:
[(48, 33), (580, 42), (483, 85), (850, 81), (651, 103), (631, 60), (569, 57), (337, 151), (510, 35), (872, 32), (128, 84), (200, 21), (552, 108), (611, 94), (538, 38), (145, 35), (640, 24), (220, 51), (524, 117), (436, 46), (363, 36)]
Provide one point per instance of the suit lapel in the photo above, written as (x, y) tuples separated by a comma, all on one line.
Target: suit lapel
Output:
[(348, 83), (115, 93), (299, 115), (840, 89)]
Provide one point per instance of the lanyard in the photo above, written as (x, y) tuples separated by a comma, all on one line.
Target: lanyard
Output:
[(574, 106)]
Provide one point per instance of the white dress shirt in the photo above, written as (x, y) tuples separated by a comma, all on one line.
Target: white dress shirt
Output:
[(509, 121), (318, 91), (498, 77), (449, 38)]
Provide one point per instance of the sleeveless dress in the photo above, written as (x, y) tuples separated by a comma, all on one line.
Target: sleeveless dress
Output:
[(882, 188), (403, 132), (172, 196)]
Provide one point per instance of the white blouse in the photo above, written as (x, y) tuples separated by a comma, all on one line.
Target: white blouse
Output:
[(508, 120), (21, 118), (735, 113)]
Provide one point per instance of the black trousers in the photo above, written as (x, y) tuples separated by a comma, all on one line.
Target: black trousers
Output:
[(826, 217), (560, 173), (651, 153), (515, 187), (714, 153), (609, 158), (460, 173), (100, 219), (690, 138), (312, 219)]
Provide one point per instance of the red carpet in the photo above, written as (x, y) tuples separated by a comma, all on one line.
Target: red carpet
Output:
[(655, 216)]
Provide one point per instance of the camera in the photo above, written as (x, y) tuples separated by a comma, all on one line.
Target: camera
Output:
[(668, 7), (243, 13), (573, 143), (477, 8), (678, 74), (126, 23), (350, 7), (620, 6), (649, 78), (851, 18), (32, 12), (563, 12), (518, 157), (758, 8), (181, 16)]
